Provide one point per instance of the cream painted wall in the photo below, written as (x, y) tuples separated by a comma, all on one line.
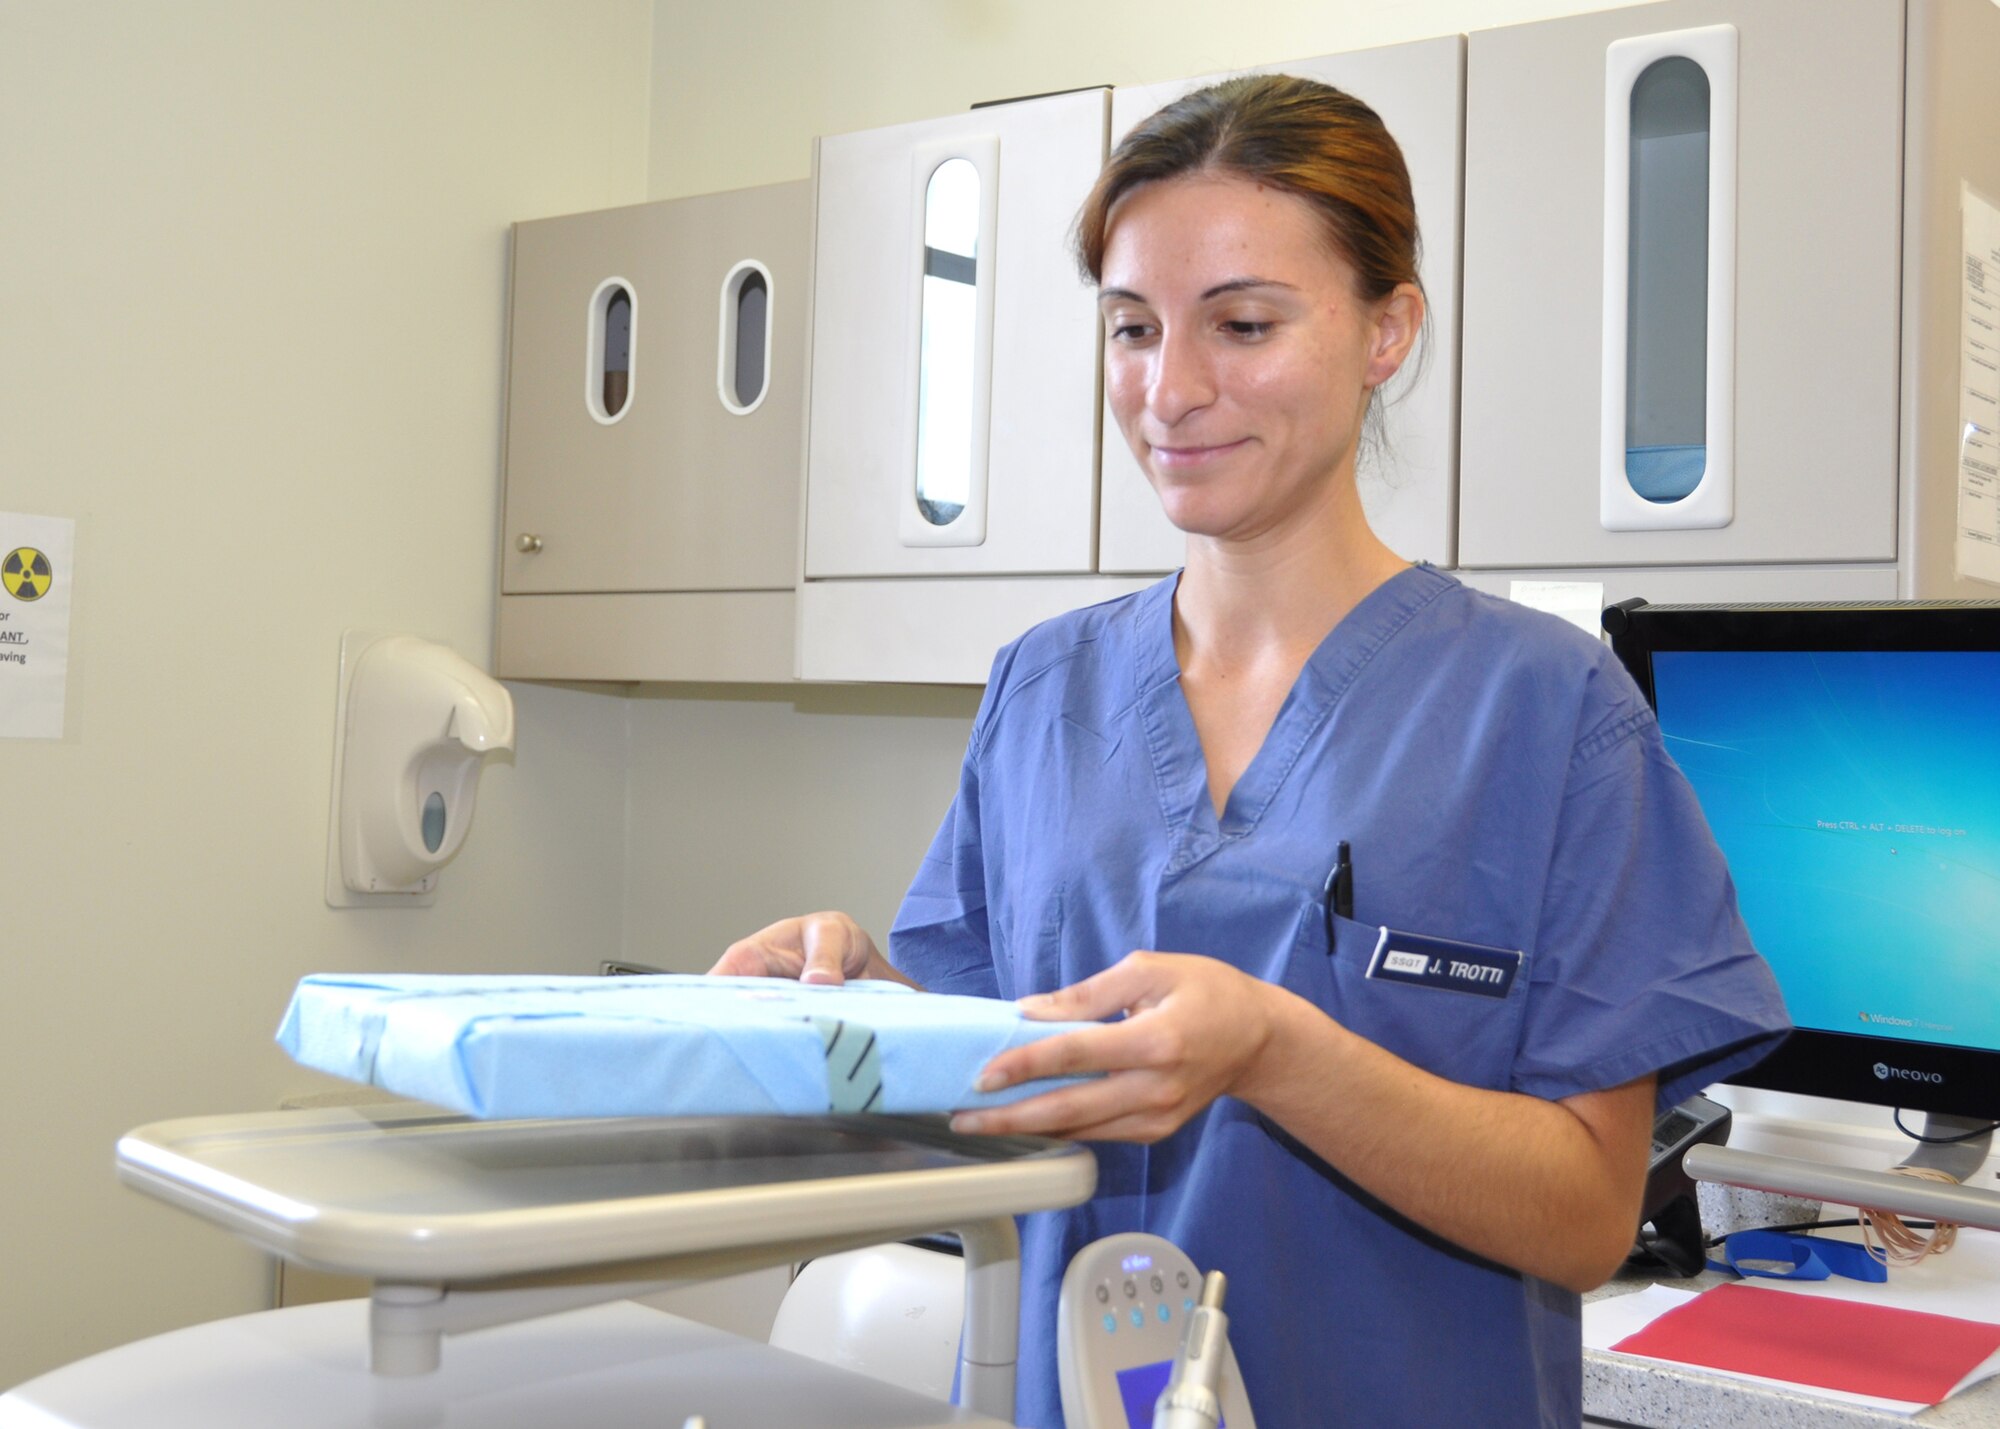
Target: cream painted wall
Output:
[(252, 272), (751, 805), (739, 90)]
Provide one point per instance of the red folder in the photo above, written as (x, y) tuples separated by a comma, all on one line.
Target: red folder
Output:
[(1814, 1340)]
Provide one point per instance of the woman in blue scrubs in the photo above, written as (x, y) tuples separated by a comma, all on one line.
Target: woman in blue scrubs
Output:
[(1402, 921)]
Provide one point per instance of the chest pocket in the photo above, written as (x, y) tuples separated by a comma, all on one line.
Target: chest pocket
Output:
[(1466, 1037), (1034, 962)]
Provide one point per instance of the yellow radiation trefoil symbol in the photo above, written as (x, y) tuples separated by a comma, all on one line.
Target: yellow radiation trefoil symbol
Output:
[(26, 573)]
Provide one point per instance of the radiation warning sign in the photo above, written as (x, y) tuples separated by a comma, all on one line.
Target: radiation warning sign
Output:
[(26, 573), (36, 575)]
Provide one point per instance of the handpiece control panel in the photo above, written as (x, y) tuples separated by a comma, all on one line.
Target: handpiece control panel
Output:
[(1126, 1301)]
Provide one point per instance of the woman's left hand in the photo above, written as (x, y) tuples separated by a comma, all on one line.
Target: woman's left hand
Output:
[(1195, 1029)]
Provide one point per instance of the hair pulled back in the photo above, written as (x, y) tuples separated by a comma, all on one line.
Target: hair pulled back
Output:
[(1297, 135)]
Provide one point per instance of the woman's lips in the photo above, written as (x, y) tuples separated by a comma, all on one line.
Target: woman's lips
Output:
[(1185, 458)]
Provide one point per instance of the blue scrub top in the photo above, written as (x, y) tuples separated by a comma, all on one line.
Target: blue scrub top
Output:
[(1500, 781)]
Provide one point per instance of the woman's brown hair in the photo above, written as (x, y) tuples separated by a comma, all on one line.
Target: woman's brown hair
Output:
[(1298, 135)]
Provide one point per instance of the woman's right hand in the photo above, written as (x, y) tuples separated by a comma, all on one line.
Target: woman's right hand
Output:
[(819, 947)]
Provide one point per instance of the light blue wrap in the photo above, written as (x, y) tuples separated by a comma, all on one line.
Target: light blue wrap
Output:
[(1666, 473), (508, 1046)]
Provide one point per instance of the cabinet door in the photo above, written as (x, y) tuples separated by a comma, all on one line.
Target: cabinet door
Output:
[(1680, 346), (954, 360), (1406, 481), (687, 478)]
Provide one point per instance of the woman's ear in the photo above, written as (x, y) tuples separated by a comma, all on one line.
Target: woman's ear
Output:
[(1398, 319)]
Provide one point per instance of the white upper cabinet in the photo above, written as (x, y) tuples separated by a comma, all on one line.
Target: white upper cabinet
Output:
[(655, 427), (1681, 258), (656, 394), (954, 350), (1407, 480)]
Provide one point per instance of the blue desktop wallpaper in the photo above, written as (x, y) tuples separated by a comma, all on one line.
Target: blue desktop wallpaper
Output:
[(1139, 1389), (1856, 796)]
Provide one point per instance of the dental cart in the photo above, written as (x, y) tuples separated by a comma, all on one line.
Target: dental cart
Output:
[(499, 1226)]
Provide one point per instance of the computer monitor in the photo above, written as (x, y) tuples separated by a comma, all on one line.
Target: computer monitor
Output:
[(1848, 760)]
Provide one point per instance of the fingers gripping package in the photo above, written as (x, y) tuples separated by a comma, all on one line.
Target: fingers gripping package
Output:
[(503, 1047)]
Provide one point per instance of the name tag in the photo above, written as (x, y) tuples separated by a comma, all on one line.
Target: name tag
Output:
[(1444, 963)]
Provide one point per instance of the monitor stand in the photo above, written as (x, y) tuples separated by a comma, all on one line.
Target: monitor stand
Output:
[(1956, 1145)]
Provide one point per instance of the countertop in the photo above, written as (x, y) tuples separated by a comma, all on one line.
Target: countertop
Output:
[(1620, 1390)]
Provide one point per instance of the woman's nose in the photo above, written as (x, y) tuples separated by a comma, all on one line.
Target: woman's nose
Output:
[(1181, 380)]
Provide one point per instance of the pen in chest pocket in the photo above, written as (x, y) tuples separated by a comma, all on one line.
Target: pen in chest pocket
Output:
[(1339, 891)]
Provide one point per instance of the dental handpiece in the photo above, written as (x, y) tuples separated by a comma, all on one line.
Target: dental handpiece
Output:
[(1193, 1396)]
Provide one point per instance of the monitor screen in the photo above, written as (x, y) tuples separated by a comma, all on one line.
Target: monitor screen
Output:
[(1139, 1390), (1848, 760)]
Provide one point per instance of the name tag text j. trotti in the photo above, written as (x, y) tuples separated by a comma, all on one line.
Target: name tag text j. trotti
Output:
[(1444, 963)]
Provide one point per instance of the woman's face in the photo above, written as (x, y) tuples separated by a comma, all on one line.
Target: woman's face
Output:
[(1238, 357)]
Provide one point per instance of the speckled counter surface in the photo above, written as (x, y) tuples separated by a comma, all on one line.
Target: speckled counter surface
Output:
[(1619, 1390)]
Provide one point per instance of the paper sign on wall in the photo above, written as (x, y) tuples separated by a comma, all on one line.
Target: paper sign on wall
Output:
[(36, 573), (1978, 545), (1581, 603)]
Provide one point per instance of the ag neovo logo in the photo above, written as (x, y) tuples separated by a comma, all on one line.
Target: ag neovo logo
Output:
[(1886, 1073)]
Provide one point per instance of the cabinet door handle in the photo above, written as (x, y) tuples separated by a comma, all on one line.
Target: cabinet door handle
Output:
[(527, 545)]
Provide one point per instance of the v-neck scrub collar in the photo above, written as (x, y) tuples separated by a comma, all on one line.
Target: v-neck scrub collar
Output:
[(1332, 668)]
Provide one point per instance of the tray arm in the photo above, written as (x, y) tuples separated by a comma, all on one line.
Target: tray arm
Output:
[(407, 1321)]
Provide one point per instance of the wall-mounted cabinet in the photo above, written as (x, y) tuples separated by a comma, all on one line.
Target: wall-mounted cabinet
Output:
[(951, 472), (654, 427), (954, 377), (1714, 271), (1682, 232), (1408, 482)]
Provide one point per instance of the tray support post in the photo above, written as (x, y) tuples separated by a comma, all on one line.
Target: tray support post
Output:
[(989, 1344)]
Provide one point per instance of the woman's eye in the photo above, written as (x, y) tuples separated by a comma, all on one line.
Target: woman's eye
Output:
[(1129, 331), (1245, 327)]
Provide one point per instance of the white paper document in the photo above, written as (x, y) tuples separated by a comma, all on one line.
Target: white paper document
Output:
[(36, 575), (1581, 603), (1978, 545)]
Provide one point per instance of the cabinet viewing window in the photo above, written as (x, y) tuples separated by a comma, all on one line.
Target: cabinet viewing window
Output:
[(1669, 280), (743, 351), (1666, 300), (948, 342), (607, 387)]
